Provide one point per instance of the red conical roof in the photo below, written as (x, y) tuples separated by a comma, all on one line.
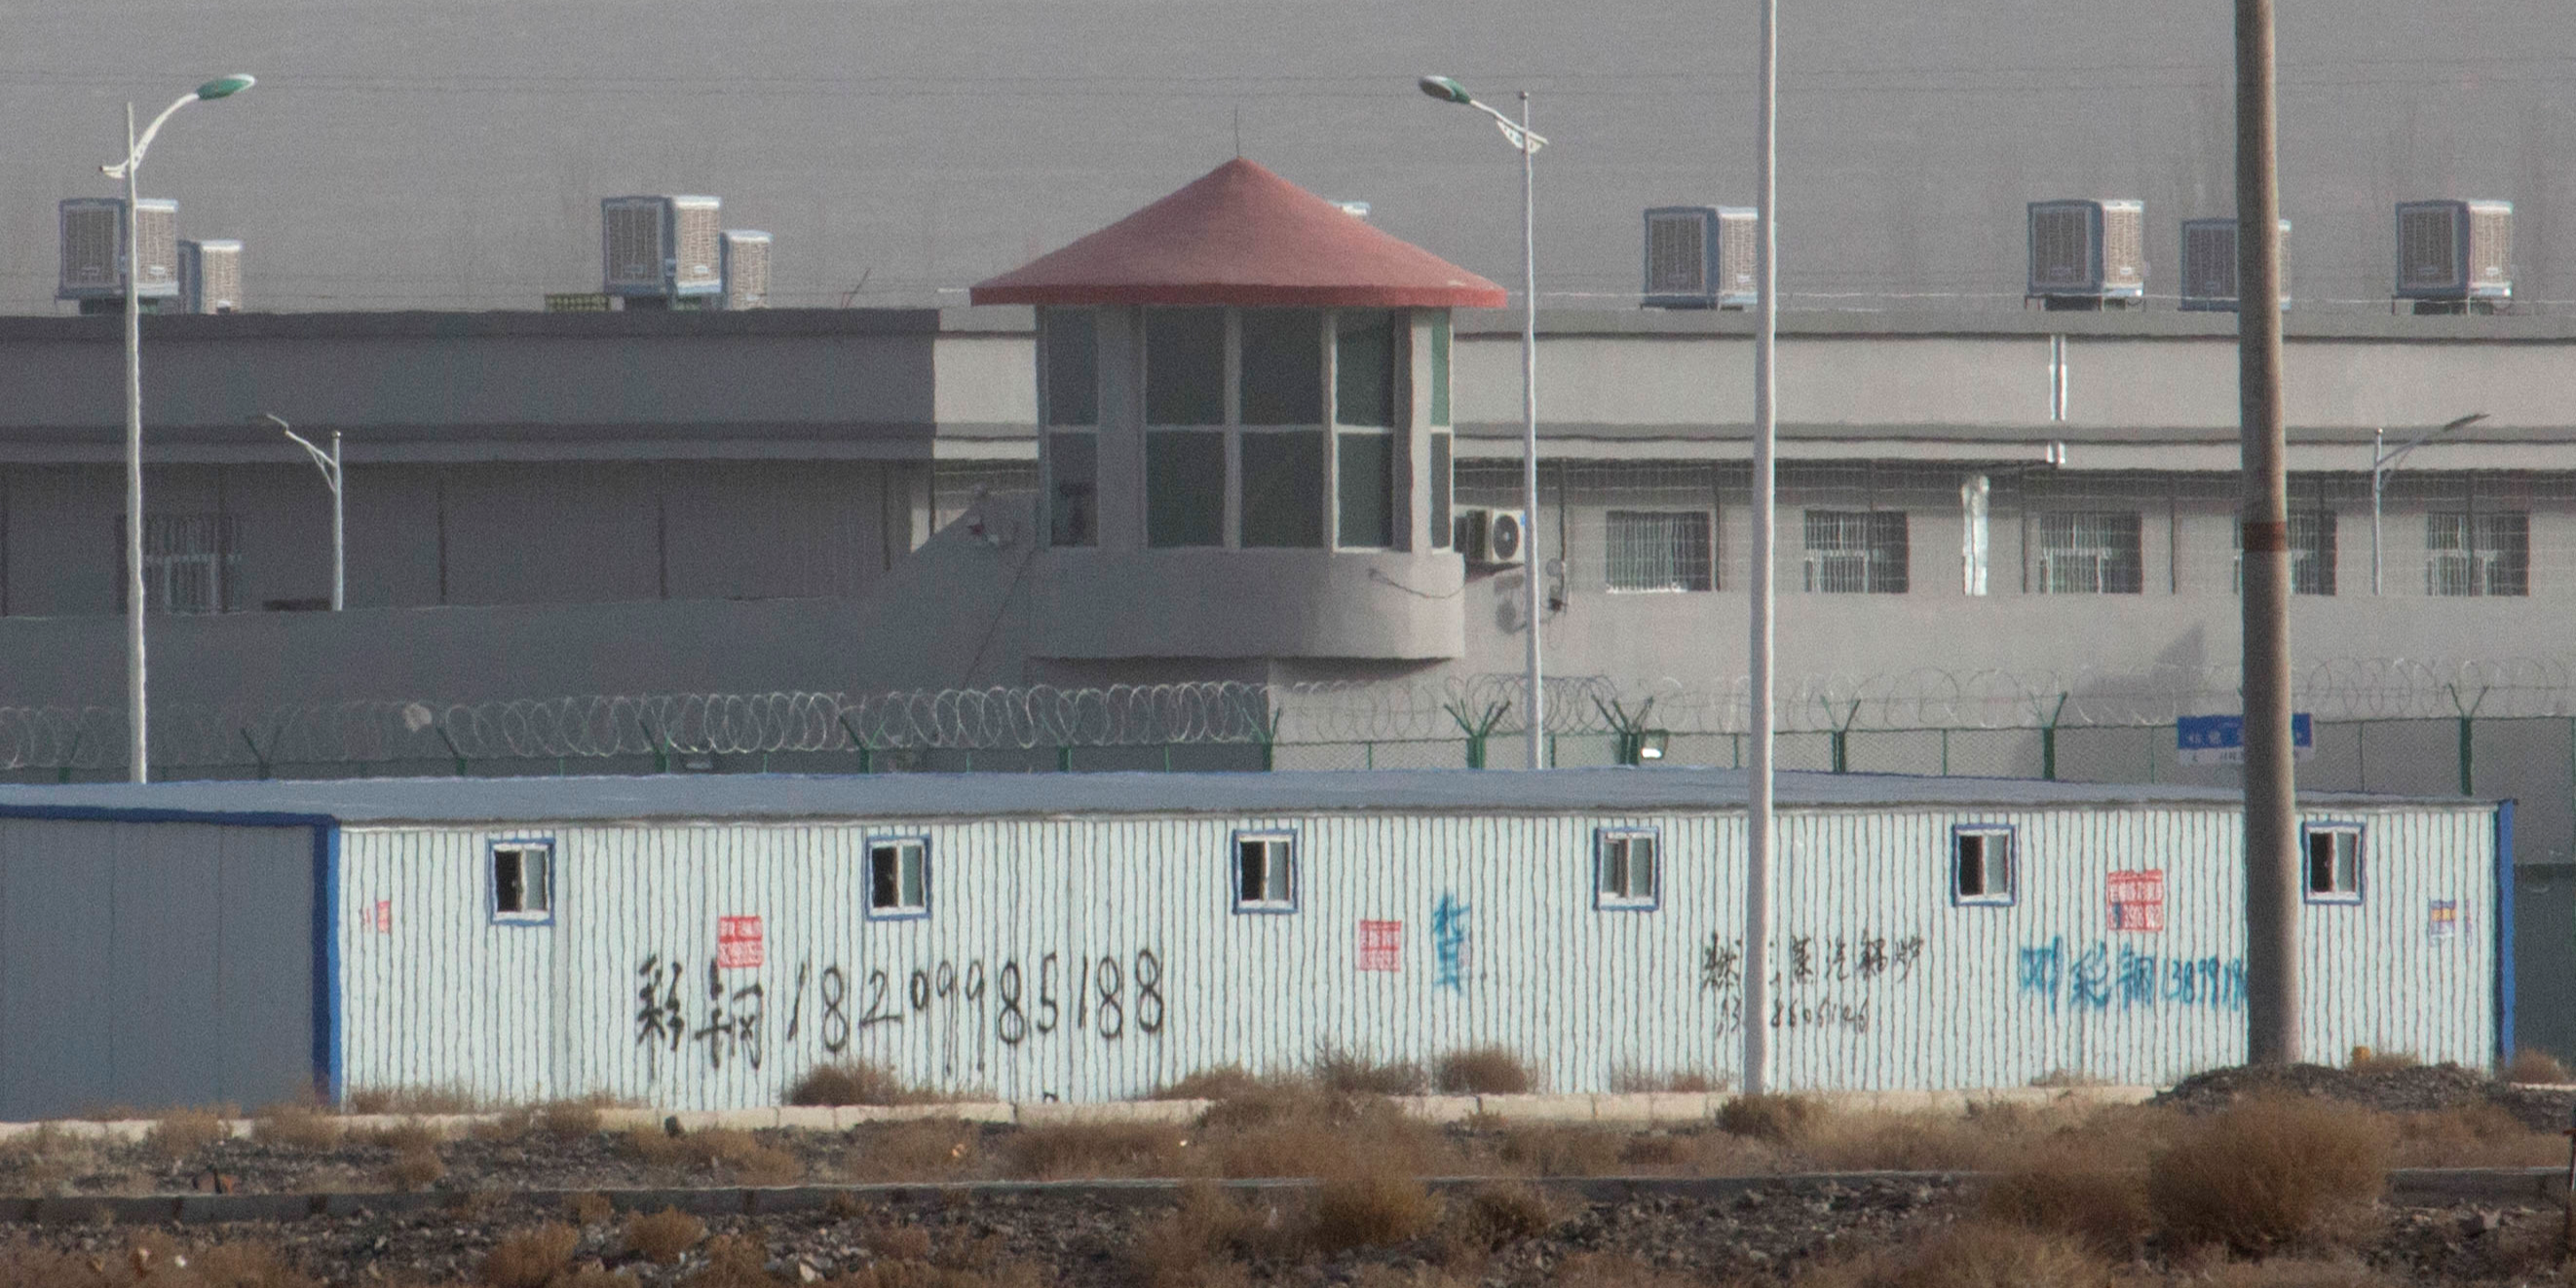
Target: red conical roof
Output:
[(1242, 235)]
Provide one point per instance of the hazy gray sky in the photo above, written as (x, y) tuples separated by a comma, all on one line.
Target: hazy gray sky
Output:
[(451, 153)]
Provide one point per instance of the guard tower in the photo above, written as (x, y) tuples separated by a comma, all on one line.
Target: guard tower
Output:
[(1243, 393)]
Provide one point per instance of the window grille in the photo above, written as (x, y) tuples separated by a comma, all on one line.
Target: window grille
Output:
[(2090, 553), (2312, 552), (189, 562), (2477, 554), (1855, 552), (1659, 550)]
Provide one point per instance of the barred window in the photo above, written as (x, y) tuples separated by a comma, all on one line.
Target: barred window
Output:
[(188, 562), (1660, 550), (2312, 553), (2477, 554), (2090, 553), (1856, 552)]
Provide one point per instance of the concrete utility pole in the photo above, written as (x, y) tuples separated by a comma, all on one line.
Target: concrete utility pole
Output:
[(2271, 806), (1757, 782)]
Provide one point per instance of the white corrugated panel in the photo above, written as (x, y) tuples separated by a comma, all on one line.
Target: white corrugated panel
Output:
[(1098, 957)]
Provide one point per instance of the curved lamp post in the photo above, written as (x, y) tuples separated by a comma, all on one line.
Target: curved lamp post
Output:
[(135, 146), (329, 463), (2383, 463), (1518, 134)]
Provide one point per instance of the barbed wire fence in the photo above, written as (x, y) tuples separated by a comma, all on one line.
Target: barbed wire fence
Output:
[(1862, 721)]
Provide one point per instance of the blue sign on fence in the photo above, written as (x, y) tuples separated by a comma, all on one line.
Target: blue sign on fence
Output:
[(2220, 740)]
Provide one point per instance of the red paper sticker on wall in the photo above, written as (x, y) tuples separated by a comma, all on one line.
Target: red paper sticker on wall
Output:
[(384, 916), (738, 942), (2138, 901), (1382, 945)]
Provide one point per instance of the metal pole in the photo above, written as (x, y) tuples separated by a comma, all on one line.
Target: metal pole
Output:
[(1529, 432), (2378, 473), (339, 529), (1757, 786), (135, 710), (2271, 825)]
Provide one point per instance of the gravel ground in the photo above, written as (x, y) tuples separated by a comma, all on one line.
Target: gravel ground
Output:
[(2414, 1089), (1025, 1241)]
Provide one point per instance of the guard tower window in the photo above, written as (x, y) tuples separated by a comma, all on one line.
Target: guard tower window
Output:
[(898, 878), (2334, 863), (523, 887), (1265, 872), (1626, 870), (1981, 865)]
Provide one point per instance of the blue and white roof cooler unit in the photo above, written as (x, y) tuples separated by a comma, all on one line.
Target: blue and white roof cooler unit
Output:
[(2209, 265), (2088, 254), (1701, 257), (661, 250), (2455, 254)]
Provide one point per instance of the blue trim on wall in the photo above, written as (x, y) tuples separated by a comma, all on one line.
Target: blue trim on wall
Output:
[(118, 814), (2505, 1045), (328, 1065)]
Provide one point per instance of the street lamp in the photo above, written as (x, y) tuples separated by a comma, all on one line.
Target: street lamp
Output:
[(1518, 134), (2384, 463), (222, 87), (329, 464)]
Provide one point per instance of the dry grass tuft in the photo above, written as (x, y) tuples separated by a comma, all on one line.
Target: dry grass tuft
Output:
[(2365, 1060), (2267, 1171), (1199, 1240), (1303, 1130), (741, 1261), (2064, 1188), (1482, 1071), (661, 1237), (1370, 1207), (1987, 1254), (244, 1264), (570, 1119), (589, 1209), (897, 1243), (2294, 1272), (1352, 1073), (1561, 1151), (412, 1101), (531, 1258), (296, 1126), (2473, 1135), (854, 1082), (1222, 1082), (415, 1169), (1781, 1120), (1615, 1270), (2065, 1077), (1629, 1080), (738, 1156), (921, 1150), (183, 1132), (2533, 1065), (1095, 1149), (408, 1136), (1496, 1215)]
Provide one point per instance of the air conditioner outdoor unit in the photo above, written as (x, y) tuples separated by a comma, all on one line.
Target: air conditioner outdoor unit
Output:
[(93, 265), (1492, 536), (745, 261), (210, 276), (2209, 265), (664, 248), (2457, 254), (1701, 257), (2087, 254)]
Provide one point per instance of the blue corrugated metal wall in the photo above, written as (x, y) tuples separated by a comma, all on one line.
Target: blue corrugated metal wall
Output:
[(1091, 958)]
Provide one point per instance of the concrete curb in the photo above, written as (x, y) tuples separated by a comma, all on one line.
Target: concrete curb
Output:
[(2534, 1186), (1647, 1108)]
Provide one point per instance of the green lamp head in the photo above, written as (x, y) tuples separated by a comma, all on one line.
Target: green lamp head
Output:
[(225, 86), (1445, 89)]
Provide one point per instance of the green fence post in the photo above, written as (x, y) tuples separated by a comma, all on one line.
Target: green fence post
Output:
[(2468, 728), (2048, 741), (256, 755), (1945, 753), (451, 749), (1064, 759), (1368, 753)]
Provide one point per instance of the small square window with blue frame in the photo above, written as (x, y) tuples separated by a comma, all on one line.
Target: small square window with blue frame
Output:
[(898, 877), (2332, 872), (1265, 872), (1983, 864), (1627, 869), (523, 882)]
